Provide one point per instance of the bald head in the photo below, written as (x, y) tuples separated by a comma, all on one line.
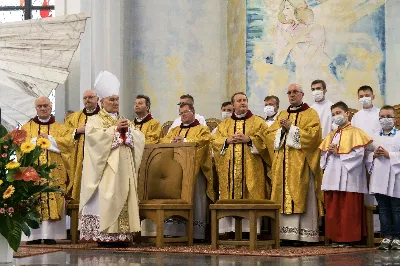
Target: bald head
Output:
[(295, 94), (43, 107), (90, 100)]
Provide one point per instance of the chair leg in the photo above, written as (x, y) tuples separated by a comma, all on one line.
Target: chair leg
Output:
[(253, 230), (74, 226), (190, 228), (138, 238), (275, 230), (238, 228), (370, 228), (160, 229), (214, 230)]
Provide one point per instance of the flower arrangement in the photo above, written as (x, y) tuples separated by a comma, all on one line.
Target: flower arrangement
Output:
[(21, 183)]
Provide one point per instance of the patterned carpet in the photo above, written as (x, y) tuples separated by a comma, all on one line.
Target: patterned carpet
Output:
[(27, 251), (32, 250)]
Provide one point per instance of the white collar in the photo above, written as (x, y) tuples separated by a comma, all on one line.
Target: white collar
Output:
[(113, 115), (44, 120), (141, 119), (240, 116)]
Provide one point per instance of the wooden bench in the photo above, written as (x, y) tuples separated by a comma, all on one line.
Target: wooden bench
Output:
[(245, 209)]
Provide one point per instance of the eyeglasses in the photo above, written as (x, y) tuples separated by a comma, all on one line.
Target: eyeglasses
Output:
[(381, 117), (185, 112), (293, 92)]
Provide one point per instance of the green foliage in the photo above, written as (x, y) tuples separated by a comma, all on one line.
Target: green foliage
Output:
[(20, 187)]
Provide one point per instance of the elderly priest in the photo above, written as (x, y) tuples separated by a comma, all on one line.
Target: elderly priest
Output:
[(113, 151)]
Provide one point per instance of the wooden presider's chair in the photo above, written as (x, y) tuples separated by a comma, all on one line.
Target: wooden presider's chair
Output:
[(165, 127), (166, 187), (212, 123)]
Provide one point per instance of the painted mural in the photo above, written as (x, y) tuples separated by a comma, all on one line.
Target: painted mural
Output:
[(298, 41)]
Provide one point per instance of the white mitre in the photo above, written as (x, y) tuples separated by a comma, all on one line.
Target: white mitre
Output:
[(106, 84)]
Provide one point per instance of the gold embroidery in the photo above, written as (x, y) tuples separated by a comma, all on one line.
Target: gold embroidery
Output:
[(238, 169), (123, 220)]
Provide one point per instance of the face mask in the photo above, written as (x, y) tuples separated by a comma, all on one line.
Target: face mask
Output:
[(318, 95), (226, 115), (386, 123), (269, 111), (339, 120), (365, 101)]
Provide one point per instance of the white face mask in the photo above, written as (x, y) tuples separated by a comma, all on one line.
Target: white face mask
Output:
[(269, 111), (365, 101), (318, 95), (339, 120), (226, 115), (386, 123)]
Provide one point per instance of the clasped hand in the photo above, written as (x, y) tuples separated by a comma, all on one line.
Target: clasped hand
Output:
[(122, 123), (381, 152), (238, 138), (285, 123), (332, 148)]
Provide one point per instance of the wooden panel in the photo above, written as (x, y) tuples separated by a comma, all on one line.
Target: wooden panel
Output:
[(180, 155)]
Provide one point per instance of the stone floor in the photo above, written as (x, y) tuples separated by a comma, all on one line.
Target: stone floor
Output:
[(94, 257)]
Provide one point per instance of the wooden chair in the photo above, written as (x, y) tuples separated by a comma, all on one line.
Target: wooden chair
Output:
[(166, 187), (246, 209), (397, 114), (212, 123), (73, 209), (352, 113), (165, 127)]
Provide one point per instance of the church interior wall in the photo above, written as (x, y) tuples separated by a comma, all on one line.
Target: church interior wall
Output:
[(168, 48)]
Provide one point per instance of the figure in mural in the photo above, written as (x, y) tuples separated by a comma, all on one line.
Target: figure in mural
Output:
[(300, 43)]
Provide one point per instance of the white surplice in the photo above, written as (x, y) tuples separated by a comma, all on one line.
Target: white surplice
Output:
[(178, 121), (368, 121), (385, 173), (344, 172), (323, 109)]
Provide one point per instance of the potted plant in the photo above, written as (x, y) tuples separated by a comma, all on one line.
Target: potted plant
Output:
[(21, 182)]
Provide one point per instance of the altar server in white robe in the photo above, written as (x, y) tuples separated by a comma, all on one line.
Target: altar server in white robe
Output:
[(383, 164), (113, 151), (344, 182), (322, 106), (367, 120)]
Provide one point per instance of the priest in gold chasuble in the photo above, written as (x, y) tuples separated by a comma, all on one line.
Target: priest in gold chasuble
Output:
[(144, 122), (53, 224), (192, 131), (77, 121), (239, 148), (296, 173), (109, 205)]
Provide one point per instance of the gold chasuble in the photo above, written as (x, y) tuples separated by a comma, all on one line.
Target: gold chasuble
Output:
[(195, 132), (74, 121), (293, 161), (109, 204), (61, 141), (240, 170), (150, 127)]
